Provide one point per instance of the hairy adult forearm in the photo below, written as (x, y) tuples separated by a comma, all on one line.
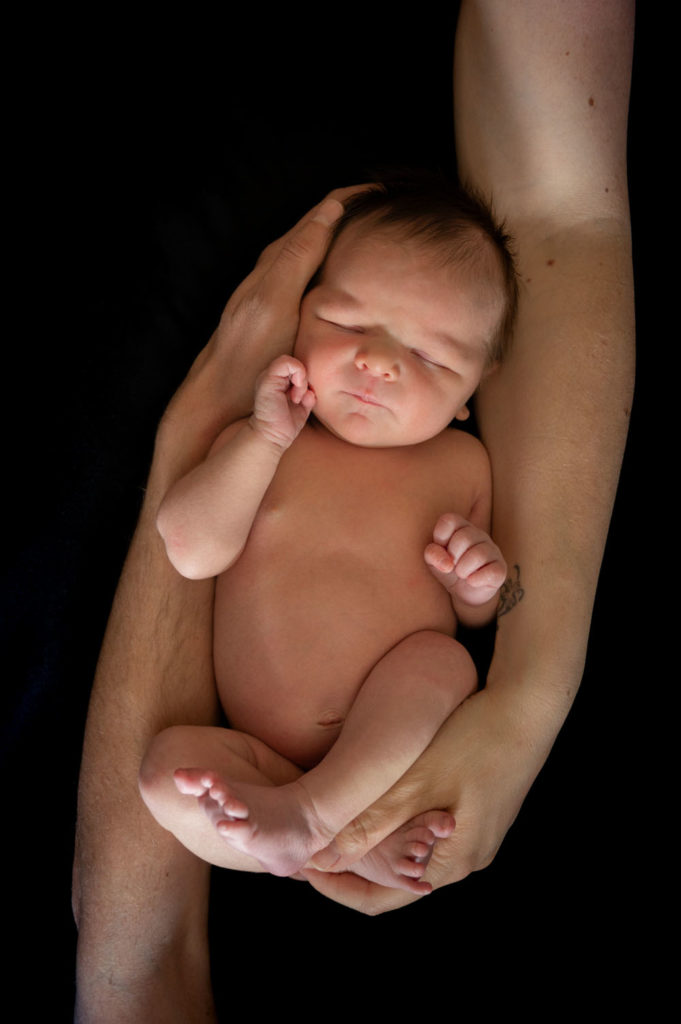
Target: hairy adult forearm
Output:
[(136, 890)]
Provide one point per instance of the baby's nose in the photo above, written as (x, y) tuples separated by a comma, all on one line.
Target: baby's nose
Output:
[(378, 359)]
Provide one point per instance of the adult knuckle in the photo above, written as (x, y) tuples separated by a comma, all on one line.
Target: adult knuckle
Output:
[(269, 252), (297, 247), (354, 838)]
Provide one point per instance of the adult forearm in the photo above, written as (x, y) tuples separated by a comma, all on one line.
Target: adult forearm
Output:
[(555, 423), (140, 899), (541, 96)]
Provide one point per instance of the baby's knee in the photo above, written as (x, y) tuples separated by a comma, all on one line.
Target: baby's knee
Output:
[(446, 665)]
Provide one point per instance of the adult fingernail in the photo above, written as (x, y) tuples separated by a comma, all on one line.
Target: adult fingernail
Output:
[(325, 859), (328, 212)]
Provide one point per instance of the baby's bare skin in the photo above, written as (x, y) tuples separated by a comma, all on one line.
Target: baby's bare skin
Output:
[(333, 577), (345, 547), (313, 620)]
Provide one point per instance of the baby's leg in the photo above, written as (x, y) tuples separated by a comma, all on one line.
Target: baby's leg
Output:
[(401, 859), (400, 707), (171, 795)]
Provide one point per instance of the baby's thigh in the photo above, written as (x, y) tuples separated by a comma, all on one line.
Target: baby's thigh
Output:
[(230, 753)]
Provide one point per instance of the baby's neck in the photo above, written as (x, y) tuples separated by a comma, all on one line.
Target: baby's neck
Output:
[(323, 431)]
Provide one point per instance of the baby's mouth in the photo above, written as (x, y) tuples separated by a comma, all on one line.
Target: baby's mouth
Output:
[(364, 396)]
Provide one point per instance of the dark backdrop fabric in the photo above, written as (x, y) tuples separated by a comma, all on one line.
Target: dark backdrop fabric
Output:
[(153, 164)]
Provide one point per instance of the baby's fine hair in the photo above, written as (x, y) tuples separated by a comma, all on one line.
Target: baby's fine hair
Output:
[(453, 222)]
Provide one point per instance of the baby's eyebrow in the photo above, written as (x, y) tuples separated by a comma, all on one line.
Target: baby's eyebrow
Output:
[(338, 298), (465, 349)]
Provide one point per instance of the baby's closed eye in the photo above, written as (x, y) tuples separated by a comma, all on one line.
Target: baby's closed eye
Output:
[(350, 328)]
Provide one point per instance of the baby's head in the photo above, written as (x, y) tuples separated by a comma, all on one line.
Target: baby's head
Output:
[(413, 304)]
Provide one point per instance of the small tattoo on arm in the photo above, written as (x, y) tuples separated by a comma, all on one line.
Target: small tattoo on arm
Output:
[(511, 593)]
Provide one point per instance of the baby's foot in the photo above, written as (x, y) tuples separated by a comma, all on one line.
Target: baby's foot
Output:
[(277, 825), (401, 859)]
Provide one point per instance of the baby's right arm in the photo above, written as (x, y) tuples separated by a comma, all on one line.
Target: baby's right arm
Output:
[(206, 516)]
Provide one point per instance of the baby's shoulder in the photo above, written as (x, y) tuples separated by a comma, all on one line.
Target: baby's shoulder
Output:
[(463, 474), (465, 449)]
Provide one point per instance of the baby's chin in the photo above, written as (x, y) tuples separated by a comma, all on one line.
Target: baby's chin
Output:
[(352, 433), (356, 431)]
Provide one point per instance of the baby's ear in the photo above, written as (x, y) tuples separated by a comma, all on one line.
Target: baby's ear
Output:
[(489, 370), (463, 413)]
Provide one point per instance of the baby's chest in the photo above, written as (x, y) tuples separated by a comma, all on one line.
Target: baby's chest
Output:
[(378, 506)]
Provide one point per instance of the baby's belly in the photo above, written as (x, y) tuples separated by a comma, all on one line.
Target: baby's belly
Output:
[(297, 635)]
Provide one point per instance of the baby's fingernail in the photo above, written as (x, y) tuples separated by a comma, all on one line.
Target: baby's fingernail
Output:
[(328, 212)]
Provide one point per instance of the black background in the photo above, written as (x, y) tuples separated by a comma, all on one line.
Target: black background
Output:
[(151, 165)]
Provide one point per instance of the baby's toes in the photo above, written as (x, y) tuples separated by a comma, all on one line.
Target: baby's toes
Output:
[(415, 885), (440, 823), (219, 791), (230, 804), (410, 868), (193, 781), (419, 849)]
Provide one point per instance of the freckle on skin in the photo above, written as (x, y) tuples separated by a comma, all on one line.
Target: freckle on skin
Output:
[(549, 263), (591, 101), (607, 190)]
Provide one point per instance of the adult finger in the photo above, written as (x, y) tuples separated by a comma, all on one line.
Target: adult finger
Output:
[(266, 302), (325, 214), (358, 893), (398, 805), (289, 263)]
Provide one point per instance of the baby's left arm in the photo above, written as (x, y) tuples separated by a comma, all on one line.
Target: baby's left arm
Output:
[(467, 562)]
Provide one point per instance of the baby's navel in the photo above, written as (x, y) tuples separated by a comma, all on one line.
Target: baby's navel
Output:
[(332, 717)]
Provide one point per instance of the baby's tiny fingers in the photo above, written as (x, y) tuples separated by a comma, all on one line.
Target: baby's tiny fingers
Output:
[(286, 368), (489, 574), (483, 584), (474, 558), (446, 525), (298, 385), (466, 538), (439, 558), (309, 400)]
